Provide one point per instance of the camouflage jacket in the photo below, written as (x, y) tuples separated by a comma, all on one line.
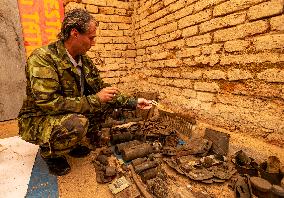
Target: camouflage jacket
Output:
[(53, 85)]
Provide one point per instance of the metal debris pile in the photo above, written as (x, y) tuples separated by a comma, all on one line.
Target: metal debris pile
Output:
[(144, 146)]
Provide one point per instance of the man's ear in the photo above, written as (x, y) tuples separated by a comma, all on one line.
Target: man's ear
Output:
[(74, 33)]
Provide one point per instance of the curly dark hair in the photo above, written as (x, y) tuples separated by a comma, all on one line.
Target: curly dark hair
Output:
[(78, 19)]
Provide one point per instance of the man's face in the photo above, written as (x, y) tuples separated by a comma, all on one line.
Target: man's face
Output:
[(86, 40)]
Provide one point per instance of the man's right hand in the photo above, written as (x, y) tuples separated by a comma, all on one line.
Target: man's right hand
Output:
[(107, 94)]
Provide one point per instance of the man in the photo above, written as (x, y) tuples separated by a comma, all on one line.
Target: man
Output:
[(66, 98)]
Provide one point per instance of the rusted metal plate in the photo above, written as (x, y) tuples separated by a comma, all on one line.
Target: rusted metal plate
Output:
[(219, 139)]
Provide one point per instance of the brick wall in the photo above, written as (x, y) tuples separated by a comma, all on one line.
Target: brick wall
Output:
[(221, 59)]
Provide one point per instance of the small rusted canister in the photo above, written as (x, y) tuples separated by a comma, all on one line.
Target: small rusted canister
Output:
[(124, 145), (260, 187), (276, 192), (149, 174), (146, 165), (141, 150), (121, 137)]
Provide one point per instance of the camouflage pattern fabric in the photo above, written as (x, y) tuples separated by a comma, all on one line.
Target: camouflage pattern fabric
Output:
[(53, 94)]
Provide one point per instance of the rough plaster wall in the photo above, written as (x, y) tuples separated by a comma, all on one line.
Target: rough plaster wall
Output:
[(12, 78), (220, 59)]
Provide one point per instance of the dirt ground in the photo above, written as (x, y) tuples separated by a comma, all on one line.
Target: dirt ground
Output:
[(81, 182)]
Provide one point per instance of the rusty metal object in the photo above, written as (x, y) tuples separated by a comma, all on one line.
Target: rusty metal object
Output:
[(260, 187), (141, 150), (138, 161), (102, 159), (273, 178), (121, 137), (148, 174), (139, 184), (273, 164), (146, 165), (158, 187), (220, 141), (121, 146)]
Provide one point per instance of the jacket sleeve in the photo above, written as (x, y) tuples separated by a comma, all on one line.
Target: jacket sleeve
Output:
[(120, 100), (46, 88)]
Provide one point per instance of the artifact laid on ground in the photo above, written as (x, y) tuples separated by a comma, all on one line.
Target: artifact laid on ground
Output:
[(245, 164), (270, 170)]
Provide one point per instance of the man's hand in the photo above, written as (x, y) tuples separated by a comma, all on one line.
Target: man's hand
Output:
[(107, 94), (142, 103)]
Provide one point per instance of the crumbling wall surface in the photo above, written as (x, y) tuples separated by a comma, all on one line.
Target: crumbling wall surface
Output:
[(114, 52), (12, 61), (221, 59)]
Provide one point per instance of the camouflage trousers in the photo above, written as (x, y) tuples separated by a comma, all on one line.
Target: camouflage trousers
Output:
[(58, 135)]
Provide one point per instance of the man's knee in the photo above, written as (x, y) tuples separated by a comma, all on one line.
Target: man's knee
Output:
[(69, 132)]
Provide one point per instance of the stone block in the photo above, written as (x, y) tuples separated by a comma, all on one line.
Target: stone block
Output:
[(118, 4), (106, 10), (193, 75), (187, 10), (120, 11), (167, 2), (166, 28), (189, 93), (172, 63), (194, 19), (270, 8), (189, 62), (182, 83), (129, 53), (160, 56), (272, 75), (112, 18), (170, 37), (122, 39), (188, 52), (190, 31), (277, 23), (141, 52), (111, 54), (157, 15), (103, 40), (148, 35), (241, 31), (233, 6), (178, 44), (205, 60), (97, 2), (236, 45), (170, 73), (109, 33), (211, 49), (251, 58), (74, 5), (214, 74), (155, 64), (115, 47), (272, 41), (202, 4), (206, 86), (124, 26), (221, 22), (176, 5), (204, 96), (239, 74), (198, 40), (154, 49)]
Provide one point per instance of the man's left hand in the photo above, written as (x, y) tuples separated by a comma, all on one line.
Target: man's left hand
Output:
[(142, 103)]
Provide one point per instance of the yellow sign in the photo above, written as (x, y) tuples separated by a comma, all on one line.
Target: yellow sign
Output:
[(41, 22)]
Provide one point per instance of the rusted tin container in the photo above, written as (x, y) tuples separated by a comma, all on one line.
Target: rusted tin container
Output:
[(141, 150)]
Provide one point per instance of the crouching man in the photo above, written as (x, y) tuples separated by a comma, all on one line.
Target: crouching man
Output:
[(66, 98)]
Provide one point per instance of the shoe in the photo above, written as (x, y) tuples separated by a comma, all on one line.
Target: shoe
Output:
[(79, 152), (58, 165)]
